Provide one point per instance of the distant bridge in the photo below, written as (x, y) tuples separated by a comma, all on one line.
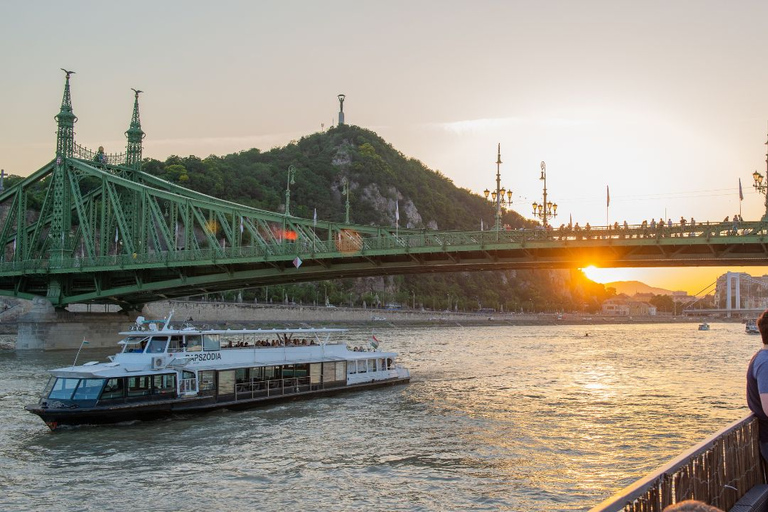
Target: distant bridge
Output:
[(109, 233)]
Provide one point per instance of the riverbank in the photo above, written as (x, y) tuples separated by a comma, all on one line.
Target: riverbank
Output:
[(233, 314), (228, 315)]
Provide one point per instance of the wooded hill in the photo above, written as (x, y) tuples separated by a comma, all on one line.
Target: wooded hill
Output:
[(379, 176)]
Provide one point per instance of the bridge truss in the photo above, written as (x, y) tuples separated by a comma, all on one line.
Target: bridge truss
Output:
[(107, 232)]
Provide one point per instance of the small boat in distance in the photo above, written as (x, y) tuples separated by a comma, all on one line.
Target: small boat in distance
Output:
[(751, 327), (163, 371), (704, 326)]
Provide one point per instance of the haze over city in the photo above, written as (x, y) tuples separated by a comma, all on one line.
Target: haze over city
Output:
[(663, 102)]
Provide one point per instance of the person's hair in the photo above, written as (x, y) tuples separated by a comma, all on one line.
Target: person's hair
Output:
[(762, 325), (691, 506)]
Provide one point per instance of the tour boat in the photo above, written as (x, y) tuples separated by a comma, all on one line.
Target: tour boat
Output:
[(751, 327), (164, 371), (704, 326)]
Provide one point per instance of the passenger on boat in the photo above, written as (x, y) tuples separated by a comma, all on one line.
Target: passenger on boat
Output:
[(757, 384)]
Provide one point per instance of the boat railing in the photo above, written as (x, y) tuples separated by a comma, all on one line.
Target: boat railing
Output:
[(718, 471), (271, 387)]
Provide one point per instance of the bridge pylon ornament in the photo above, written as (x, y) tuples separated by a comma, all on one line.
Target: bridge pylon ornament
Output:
[(135, 136)]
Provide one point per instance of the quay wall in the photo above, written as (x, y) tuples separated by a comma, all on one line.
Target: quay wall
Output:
[(40, 327), (68, 330), (289, 315)]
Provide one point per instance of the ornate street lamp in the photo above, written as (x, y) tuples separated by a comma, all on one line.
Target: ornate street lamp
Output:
[(497, 196), (546, 208), (345, 191), (291, 181)]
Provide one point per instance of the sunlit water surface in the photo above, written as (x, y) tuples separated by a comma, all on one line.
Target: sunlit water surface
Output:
[(495, 418)]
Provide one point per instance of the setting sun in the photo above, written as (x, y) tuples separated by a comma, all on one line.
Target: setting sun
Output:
[(607, 275)]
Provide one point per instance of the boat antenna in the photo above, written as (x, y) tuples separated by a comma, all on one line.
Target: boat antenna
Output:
[(84, 342), (168, 320)]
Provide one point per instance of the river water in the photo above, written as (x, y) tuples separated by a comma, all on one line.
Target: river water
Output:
[(495, 418)]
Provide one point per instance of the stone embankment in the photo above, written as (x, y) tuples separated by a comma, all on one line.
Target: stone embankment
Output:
[(228, 314)]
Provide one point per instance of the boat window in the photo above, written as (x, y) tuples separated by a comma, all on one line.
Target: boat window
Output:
[(207, 380), (49, 386), (341, 370), (315, 370), (371, 365), (63, 389), (241, 375), (352, 367), (329, 372), (382, 365), (157, 345), (89, 389), (194, 343), (113, 389), (227, 382), (139, 386), (301, 370), (211, 342), (288, 371), (176, 344), (270, 372), (134, 344), (164, 384), (362, 366), (390, 366)]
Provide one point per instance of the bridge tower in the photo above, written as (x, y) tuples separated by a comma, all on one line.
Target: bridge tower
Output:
[(135, 136), (730, 277), (61, 218)]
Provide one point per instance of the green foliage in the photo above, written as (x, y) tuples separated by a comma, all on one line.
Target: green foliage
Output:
[(663, 303), (378, 175)]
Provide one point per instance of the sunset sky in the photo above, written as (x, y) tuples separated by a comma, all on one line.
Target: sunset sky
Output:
[(665, 102)]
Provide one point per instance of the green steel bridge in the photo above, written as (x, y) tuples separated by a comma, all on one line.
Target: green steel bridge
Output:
[(107, 232)]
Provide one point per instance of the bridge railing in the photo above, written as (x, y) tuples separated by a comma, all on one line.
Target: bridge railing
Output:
[(424, 239), (98, 157), (718, 471)]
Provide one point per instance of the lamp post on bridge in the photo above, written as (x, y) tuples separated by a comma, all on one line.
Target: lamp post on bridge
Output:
[(759, 186), (291, 181), (546, 208), (497, 196)]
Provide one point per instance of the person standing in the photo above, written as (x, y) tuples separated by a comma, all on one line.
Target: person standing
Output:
[(757, 384)]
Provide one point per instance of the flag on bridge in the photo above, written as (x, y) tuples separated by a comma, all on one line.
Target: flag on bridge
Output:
[(314, 219), (607, 196), (741, 192), (297, 262)]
